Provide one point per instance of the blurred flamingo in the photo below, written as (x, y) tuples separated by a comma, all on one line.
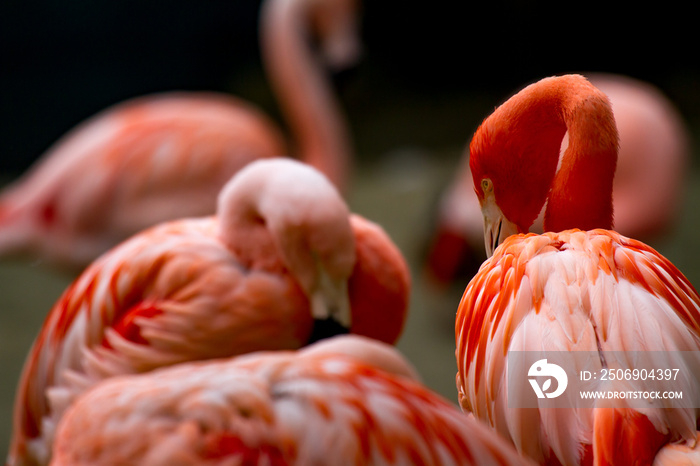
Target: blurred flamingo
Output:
[(569, 289), (166, 156), (282, 252), (652, 161), (347, 400)]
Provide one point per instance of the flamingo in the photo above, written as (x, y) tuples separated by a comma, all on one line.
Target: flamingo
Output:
[(653, 158), (347, 400), (282, 251), (166, 156), (580, 286)]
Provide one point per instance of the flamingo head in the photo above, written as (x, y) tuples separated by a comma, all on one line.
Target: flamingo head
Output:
[(373, 300), (282, 215), (511, 188), (336, 25), (513, 157)]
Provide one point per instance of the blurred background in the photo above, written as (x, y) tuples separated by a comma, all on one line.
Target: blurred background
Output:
[(431, 71)]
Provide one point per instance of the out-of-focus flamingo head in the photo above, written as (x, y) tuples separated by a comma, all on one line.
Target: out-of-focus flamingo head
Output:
[(281, 210), (336, 24)]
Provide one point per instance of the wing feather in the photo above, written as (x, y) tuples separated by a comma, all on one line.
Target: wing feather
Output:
[(573, 291), (180, 296), (287, 408)]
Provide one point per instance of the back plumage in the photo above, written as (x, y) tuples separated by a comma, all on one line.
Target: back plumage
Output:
[(594, 291), (348, 400)]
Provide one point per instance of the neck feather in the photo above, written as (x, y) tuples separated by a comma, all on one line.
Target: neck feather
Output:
[(581, 191)]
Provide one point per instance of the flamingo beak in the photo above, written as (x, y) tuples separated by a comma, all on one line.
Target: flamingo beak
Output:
[(330, 307), (496, 226)]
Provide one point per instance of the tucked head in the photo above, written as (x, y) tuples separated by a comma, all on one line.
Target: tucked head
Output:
[(336, 23), (283, 211), (515, 163)]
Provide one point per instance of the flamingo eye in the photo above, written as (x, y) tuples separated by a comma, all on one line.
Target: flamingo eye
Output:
[(486, 185)]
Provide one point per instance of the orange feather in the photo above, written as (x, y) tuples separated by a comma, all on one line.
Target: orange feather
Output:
[(345, 401)]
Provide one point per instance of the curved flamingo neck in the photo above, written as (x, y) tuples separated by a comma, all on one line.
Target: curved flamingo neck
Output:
[(519, 147), (581, 191), (279, 213), (304, 95)]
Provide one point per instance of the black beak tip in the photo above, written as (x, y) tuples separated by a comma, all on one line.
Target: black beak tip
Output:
[(326, 328)]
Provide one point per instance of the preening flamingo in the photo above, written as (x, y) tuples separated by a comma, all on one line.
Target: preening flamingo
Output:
[(167, 156), (652, 162), (578, 287), (282, 251), (347, 400)]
